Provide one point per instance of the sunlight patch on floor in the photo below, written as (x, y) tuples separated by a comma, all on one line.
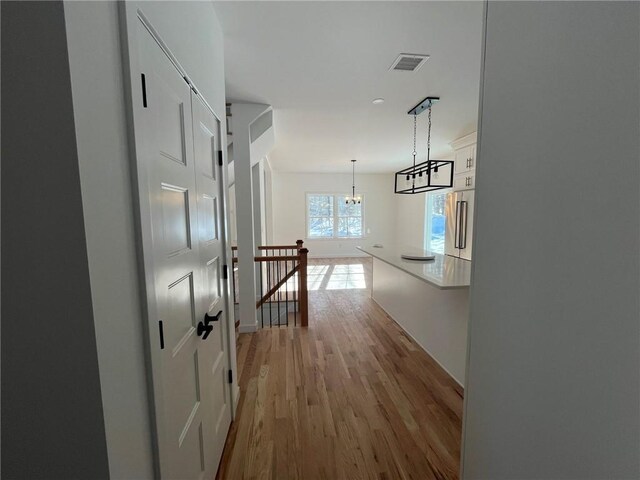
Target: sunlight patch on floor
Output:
[(330, 277), (337, 277)]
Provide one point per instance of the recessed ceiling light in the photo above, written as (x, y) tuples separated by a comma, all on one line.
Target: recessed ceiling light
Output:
[(378, 101)]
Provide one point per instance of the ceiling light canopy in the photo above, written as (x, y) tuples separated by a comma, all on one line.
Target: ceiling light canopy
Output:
[(378, 101)]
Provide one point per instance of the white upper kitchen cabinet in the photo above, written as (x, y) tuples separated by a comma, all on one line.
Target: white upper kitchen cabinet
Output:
[(465, 159), (464, 167)]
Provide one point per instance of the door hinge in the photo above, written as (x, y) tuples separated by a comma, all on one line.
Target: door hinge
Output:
[(186, 79), (220, 157), (230, 376), (161, 334), (225, 272), (144, 91)]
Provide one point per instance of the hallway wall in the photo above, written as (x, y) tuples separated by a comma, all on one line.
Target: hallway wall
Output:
[(52, 416), (553, 389)]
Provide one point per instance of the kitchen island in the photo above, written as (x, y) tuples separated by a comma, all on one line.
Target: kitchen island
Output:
[(428, 299)]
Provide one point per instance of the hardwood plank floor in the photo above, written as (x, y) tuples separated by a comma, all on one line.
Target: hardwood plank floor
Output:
[(350, 397)]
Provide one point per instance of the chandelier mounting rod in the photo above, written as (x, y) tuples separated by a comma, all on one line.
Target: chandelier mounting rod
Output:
[(353, 178)]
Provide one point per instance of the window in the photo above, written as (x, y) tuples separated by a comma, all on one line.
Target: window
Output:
[(330, 216), (435, 222)]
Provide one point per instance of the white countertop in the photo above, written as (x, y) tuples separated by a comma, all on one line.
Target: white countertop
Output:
[(444, 272)]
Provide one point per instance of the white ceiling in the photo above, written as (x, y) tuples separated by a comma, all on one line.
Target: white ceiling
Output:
[(320, 65)]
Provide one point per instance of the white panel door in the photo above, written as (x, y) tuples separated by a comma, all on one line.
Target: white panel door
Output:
[(207, 151), (182, 221)]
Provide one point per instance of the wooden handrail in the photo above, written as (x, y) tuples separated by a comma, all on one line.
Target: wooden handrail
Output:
[(277, 258), (278, 247), (277, 286), (297, 246)]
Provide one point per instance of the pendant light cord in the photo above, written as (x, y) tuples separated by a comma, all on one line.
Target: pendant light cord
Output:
[(415, 123), (428, 140), (413, 177), (353, 180)]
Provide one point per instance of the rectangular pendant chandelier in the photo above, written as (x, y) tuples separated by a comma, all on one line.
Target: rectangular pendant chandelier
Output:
[(426, 176)]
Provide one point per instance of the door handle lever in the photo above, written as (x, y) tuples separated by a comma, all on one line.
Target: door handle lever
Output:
[(208, 318), (204, 329)]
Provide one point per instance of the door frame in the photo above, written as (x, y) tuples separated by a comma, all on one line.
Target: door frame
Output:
[(131, 17)]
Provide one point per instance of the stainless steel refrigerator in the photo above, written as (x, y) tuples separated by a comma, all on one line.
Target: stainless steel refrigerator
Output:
[(458, 239)]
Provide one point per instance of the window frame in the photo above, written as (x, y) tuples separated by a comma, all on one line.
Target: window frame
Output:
[(334, 216)]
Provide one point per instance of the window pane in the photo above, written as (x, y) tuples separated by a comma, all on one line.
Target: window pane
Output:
[(342, 227), (436, 222), (320, 227), (320, 205), (350, 226), (320, 215), (355, 227)]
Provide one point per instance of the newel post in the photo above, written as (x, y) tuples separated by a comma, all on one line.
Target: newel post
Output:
[(304, 294)]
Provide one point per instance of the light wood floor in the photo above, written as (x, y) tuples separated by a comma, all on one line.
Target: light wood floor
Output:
[(351, 397)]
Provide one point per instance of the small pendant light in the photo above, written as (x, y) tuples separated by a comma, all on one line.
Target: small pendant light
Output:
[(353, 199), (425, 176)]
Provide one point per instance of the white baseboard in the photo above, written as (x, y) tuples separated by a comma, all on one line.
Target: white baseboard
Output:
[(247, 328), (236, 397)]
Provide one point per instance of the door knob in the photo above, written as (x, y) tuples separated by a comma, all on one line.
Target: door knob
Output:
[(204, 330), (208, 318)]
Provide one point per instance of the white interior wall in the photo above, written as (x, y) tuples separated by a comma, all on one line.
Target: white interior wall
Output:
[(53, 422), (192, 32), (257, 183), (553, 389), (268, 202), (410, 219), (289, 210), (233, 234)]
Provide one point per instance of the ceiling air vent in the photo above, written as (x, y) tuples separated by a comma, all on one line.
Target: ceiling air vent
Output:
[(409, 62)]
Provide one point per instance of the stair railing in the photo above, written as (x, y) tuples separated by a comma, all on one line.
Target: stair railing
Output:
[(283, 284)]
